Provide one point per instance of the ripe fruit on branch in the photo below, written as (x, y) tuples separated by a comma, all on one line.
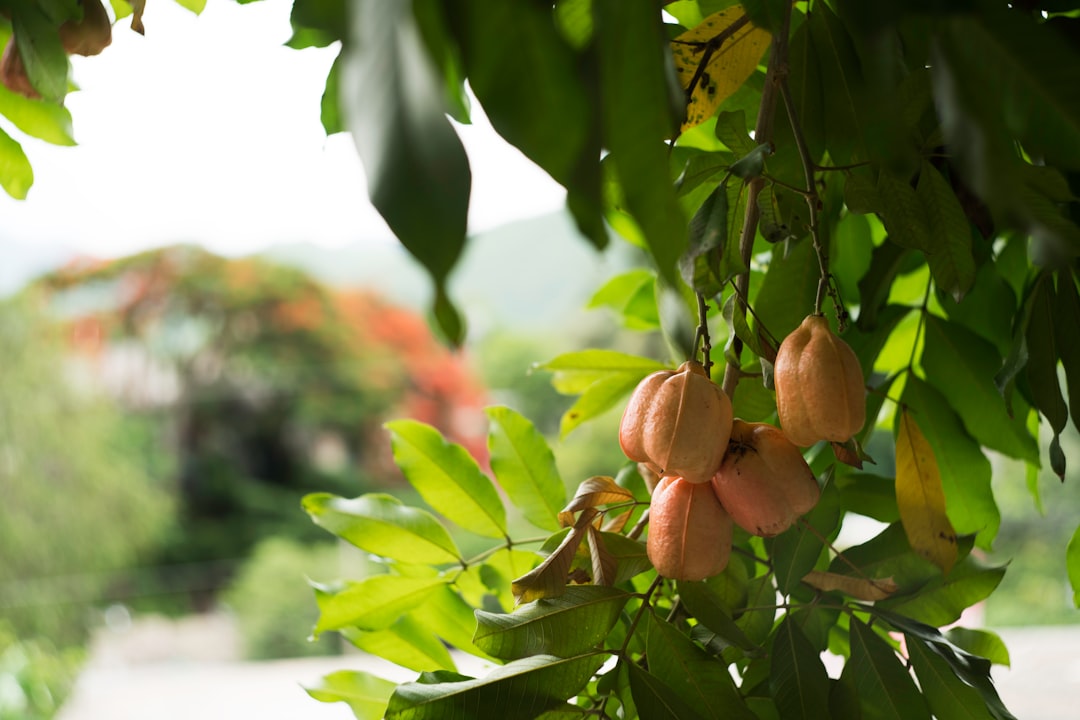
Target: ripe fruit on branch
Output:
[(677, 423), (820, 392), (689, 531), (764, 483), (91, 34)]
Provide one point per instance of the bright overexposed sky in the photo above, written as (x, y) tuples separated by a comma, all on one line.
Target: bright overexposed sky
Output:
[(207, 129)]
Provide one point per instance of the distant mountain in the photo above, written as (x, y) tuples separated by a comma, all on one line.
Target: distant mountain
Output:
[(533, 273)]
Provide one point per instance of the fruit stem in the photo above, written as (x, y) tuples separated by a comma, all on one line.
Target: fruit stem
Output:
[(763, 132)]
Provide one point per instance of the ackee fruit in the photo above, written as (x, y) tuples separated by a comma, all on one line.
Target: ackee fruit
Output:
[(677, 423), (689, 531), (764, 483), (820, 393)]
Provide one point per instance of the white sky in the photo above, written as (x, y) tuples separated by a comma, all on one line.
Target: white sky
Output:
[(208, 130)]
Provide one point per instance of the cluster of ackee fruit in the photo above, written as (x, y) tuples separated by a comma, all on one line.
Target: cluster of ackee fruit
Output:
[(714, 469), (88, 35)]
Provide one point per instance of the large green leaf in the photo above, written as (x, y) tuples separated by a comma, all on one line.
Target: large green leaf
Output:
[(525, 467), (709, 610), (712, 257), (981, 642), (44, 120), (987, 309), (568, 625), (632, 295), (417, 171), (886, 690), (942, 600), (797, 677), (787, 293), (843, 87), (657, 700), (447, 477), (408, 643), (364, 693), (576, 371), (40, 48), (961, 365), (519, 690), (951, 261), (374, 603), (795, 551), (383, 525), (886, 555), (549, 117), (1041, 368), (903, 213), (636, 91), (1067, 316), (965, 470), (947, 695), (597, 399), (692, 673), (445, 614), (16, 175)]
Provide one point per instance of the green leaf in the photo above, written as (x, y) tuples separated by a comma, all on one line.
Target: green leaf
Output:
[(525, 467), (568, 625), (447, 477), (731, 130), (903, 213), (870, 495), (795, 551), (366, 694), (709, 609), (417, 171), (947, 695), (632, 295), (1041, 368), (657, 700), (1067, 315), (692, 673), (576, 371), (787, 293), (519, 690), (950, 258), (431, 18), (46, 121), (549, 578), (797, 677), (886, 555), (1072, 562), (753, 164), (16, 175), (943, 599), (639, 116), (885, 689), (549, 116), (983, 643), (330, 105), (41, 51), (886, 262), (597, 399), (961, 365), (712, 257), (408, 643), (965, 470), (374, 603), (382, 525), (841, 82), (446, 615)]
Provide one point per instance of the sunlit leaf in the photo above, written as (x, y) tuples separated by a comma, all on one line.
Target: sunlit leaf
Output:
[(16, 175), (1072, 562), (797, 677), (886, 555), (366, 694), (525, 467), (373, 603), (692, 673), (382, 525), (44, 120), (568, 625), (445, 614), (942, 600), (632, 295), (787, 293), (886, 690), (981, 642), (519, 690), (947, 695), (715, 58), (596, 491), (447, 477), (856, 587), (408, 643), (920, 497)]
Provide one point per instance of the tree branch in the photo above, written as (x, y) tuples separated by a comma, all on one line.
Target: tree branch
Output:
[(763, 132)]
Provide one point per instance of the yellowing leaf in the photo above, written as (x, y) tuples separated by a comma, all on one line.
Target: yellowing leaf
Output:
[(920, 497), (715, 58), (598, 490), (548, 579), (858, 588)]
